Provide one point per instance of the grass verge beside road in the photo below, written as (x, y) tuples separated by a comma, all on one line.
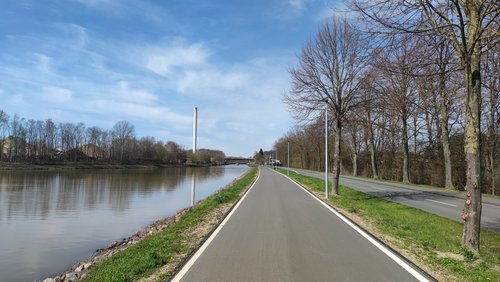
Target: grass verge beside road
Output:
[(431, 241), (159, 254)]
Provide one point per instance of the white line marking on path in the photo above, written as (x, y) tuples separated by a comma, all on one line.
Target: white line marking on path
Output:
[(442, 203), (381, 247), (200, 251)]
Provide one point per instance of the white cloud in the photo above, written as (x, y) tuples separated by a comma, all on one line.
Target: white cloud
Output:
[(158, 115), (77, 33), (296, 4), (124, 8), (324, 14), (163, 59), (97, 3), (337, 9), (57, 95), (43, 63), (210, 81), (139, 96)]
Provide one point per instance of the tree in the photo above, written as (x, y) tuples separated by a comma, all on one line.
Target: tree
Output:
[(92, 149), (442, 59), (492, 85), (354, 130), (259, 157), (397, 87), (330, 70), (4, 124), (368, 117), (466, 25), (49, 137), (122, 133)]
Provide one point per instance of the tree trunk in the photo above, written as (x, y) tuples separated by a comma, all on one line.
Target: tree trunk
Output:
[(336, 158), (415, 175), (492, 167), (355, 152), (355, 163), (448, 180), (430, 136), (373, 156), (472, 208), (492, 129), (406, 178)]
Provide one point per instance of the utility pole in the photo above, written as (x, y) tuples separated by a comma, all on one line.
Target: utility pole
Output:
[(288, 159), (326, 148)]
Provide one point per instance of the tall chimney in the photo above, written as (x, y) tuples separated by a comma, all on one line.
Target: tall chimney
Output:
[(195, 128)]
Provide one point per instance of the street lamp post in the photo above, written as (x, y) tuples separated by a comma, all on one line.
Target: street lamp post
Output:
[(288, 159), (326, 148)]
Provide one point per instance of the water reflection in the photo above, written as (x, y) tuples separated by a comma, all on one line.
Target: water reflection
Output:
[(193, 188), (49, 220), (30, 194)]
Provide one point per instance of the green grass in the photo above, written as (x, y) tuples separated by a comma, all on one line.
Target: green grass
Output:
[(419, 232), (145, 257)]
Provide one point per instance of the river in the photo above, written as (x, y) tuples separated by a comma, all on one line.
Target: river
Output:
[(50, 220)]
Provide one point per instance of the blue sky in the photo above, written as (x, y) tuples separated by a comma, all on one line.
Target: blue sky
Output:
[(151, 62)]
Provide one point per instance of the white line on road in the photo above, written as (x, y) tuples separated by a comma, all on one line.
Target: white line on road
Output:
[(200, 251), (368, 237), (442, 203)]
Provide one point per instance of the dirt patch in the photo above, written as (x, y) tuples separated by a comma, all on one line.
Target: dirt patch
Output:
[(450, 256)]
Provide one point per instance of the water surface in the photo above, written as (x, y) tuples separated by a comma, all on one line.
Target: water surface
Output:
[(51, 220)]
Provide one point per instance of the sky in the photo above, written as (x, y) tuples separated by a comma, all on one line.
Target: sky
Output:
[(151, 62)]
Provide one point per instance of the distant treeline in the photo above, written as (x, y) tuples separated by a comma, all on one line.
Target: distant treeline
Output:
[(44, 141)]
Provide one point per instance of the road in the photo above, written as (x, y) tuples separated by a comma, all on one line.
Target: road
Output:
[(279, 232), (448, 204)]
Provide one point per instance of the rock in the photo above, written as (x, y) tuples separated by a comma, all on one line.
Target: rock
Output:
[(49, 280), (82, 267), (70, 277)]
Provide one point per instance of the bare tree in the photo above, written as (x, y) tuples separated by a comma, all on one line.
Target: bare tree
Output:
[(4, 124), (466, 25), (369, 118), (354, 130), (122, 133), (330, 70), (397, 88), (50, 137), (442, 62), (492, 85), (17, 146)]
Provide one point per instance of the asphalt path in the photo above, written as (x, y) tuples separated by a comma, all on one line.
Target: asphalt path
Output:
[(280, 232), (448, 204)]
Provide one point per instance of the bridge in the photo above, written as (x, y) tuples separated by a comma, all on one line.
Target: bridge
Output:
[(238, 160)]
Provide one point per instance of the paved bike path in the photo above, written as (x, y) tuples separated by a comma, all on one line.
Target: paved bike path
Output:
[(281, 233)]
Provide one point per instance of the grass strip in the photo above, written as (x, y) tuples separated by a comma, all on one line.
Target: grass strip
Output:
[(151, 253), (433, 240)]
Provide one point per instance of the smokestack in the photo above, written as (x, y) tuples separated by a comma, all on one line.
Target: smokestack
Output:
[(195, 128)]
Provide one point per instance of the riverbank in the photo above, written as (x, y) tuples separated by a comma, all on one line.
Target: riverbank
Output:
[(153, 253)]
